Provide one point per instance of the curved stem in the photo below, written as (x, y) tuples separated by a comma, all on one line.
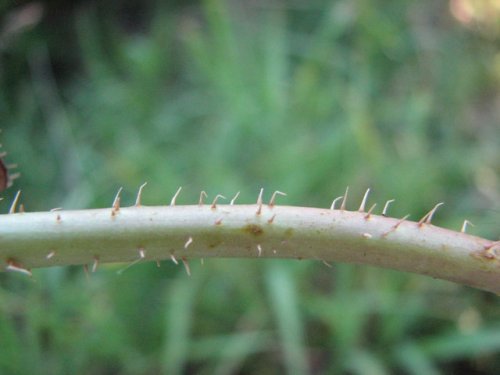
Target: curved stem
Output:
[(142, 233)]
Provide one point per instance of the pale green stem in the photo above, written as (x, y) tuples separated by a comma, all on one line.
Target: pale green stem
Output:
[(45, 239)]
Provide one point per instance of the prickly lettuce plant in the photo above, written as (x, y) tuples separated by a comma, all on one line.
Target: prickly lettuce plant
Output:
[(206, 230)]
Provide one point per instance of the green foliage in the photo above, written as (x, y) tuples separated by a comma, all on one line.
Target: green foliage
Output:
[(393, 95)]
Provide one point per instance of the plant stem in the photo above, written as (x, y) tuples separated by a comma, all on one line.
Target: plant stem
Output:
[(44, 239)]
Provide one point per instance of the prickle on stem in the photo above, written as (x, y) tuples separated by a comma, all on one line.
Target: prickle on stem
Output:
[(172, 257), (203, 194), (344, 200), (427, 218), (273, 197), (369, 213), (174, 198), (234, 199), (95, 264), (13, 206), (396, 226), (188, 242), (386, 206), (139, 195), (186, 266), (363, 202), (214, 203), (15, 267), (464, 226), (259, 202), (332, 207), (115, 207)]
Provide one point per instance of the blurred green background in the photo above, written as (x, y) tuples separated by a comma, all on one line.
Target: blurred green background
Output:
[(225, 96)]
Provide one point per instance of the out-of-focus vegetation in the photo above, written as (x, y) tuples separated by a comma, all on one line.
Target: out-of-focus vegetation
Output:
[(304, 97)]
